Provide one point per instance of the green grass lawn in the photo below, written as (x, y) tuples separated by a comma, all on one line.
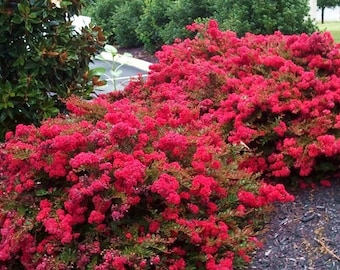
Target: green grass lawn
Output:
[(333, 27)]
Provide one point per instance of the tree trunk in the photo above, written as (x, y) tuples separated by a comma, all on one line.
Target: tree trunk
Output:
[(322, 14)]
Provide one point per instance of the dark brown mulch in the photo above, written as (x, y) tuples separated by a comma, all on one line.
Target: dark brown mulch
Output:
[(301, 235), (304, 234)]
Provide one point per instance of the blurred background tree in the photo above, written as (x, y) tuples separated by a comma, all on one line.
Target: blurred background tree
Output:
[(152, 23), (102, 13), (265, 16), (323, 4)]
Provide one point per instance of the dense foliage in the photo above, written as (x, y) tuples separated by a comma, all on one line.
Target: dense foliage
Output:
[(157, 22), (264, 17), (102, 13), (151, 24), (126, 21), (164, 21), (174, 172), (42, 59)]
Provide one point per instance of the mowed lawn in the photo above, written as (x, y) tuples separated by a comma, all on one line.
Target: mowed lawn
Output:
[(333, 27)]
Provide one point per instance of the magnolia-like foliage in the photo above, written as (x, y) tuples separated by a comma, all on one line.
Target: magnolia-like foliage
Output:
[(42, 59)]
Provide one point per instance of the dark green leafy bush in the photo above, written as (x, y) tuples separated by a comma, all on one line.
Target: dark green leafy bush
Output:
[(152, 22), (264, 17), (164, 21), (102, 13), (125, 22), (182, 13), (42, 59)]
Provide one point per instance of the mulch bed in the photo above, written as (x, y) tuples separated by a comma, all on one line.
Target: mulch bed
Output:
[(301, 235), (304, 234)]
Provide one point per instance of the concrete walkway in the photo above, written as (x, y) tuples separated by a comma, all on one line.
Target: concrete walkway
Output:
[(130, 68)]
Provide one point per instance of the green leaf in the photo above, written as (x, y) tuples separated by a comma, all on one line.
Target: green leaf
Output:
[(97, 71), (32, 15), (41, 192), (110, 49), (19, 62), (24, 9), (65, 3), (50, 112), (3, 114), (105, 56), (9, 104), (28, 27), (9, 113), (17, 19)]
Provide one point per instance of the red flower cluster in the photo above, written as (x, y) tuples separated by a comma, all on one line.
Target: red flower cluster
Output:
[(278, 94), (166, 173), (167, 187)]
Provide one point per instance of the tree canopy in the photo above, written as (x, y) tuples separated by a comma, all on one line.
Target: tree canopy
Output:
[(322, 4), (265, 17)]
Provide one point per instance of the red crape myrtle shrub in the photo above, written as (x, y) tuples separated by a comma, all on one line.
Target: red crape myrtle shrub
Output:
[(125, 182), (279, 95), (167, 174), (140, 179)]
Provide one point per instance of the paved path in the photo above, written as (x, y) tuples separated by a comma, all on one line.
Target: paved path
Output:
[(131, 67)]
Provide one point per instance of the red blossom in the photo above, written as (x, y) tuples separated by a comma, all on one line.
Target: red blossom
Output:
[(84, 160), (325, 183), (129, 175), (174, 143), (241, 210), (96, 217), (167, 186), (173, 162), (203, 186), (193, 208), (154, 226), (248, 198)]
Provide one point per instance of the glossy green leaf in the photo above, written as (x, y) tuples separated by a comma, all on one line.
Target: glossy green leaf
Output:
[(40, 55), (97, 71), (41, 192), (32, 15), (28, 26), (24, 9), (17, 19)]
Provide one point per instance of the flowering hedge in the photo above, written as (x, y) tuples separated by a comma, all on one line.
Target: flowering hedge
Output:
[(277, 94), (169, 173), (126, 185)]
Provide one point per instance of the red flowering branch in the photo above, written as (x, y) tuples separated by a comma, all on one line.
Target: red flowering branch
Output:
[(170, 172)]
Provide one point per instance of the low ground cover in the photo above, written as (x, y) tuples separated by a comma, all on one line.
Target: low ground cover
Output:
[(179, 171)]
